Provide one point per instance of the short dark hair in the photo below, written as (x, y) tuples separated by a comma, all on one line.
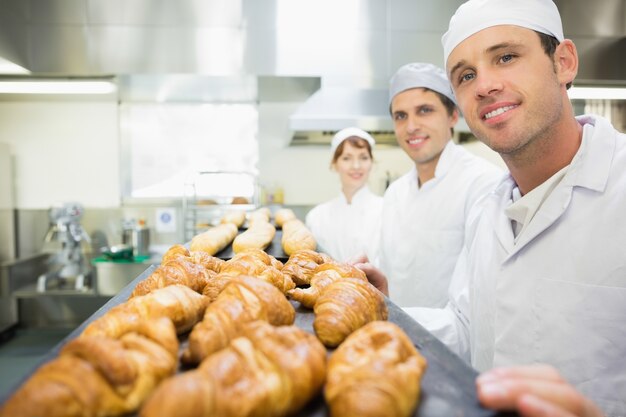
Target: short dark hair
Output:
[(449, 105), (549, 44)]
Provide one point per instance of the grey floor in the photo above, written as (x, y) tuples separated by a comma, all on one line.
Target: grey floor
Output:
[(21, 350)]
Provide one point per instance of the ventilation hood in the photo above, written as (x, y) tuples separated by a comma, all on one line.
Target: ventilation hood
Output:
[(331, 109)]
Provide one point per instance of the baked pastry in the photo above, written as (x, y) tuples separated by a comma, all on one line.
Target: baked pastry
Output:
[(324, 275), (269, 371), (243, 300), (375, 372), (215, 239), (98, 375), (301, 265), (258, 236), (283, 215), (179, 303), (235, 217), (179, 270), (197, 257), (345, 306), (262, 215), (296, 236)]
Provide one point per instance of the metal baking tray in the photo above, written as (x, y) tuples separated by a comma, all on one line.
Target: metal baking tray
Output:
[(448, 388)]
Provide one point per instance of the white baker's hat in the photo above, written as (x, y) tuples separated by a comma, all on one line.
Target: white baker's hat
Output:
[(420, 74), (476, 15), (348, 132)]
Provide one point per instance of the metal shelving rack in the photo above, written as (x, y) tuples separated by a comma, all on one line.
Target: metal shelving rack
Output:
[(204, 206)]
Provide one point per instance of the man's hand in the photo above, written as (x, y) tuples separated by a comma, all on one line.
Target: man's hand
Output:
[(374, 275), (534, 390)]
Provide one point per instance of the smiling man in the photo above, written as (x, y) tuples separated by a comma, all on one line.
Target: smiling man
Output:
[(424, 211)]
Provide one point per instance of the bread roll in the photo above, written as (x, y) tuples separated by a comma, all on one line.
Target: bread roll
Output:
[(215, 239), (282, 216), (262, 214), (258, 236), (235, 217), (296, 236)]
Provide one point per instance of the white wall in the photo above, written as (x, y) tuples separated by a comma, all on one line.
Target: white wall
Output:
[(63, 151)]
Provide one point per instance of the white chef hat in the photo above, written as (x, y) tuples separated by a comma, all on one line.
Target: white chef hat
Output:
[(348, 132), (476, 15), (420, 74)]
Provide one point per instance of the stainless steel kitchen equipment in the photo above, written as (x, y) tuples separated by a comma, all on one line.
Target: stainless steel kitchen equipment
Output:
[(137, 235), (68, 268)]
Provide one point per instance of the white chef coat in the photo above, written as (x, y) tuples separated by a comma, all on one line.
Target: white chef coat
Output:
[(344, 230), (423, 228), (558, 294)]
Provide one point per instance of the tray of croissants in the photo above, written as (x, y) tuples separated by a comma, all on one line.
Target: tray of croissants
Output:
[(198, 335)]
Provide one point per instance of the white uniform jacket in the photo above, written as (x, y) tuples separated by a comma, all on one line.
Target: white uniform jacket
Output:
[(345, 230), (558, 295), (423, 228)]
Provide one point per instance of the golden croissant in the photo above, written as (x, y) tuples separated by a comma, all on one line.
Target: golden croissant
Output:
[(345, 306), (324, 275), (98, 375), (197, 257), (296, 236), (252, 262), (375, 372), (179, 270), (269, 371), (301, 265), (179, 303), (215, 239), (243, 300)]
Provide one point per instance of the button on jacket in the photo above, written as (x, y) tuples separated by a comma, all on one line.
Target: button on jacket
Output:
[(558, 294), (344, 230), (423, 228)]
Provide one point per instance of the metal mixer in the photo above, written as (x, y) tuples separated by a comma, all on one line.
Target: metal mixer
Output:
[(68, 267)]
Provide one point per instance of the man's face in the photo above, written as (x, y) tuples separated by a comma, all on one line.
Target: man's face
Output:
[(422, 124), (506, 87)]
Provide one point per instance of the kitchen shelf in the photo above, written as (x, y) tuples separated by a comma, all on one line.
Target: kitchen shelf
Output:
[(210, 194)]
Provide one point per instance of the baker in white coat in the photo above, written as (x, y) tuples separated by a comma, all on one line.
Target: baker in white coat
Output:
[(348, 226), (542, 276), (425, 210)]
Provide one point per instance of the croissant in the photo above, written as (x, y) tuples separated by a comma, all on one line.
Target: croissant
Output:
[(179, 303), (215, 239), (345, 306), (235, 217), (197, 257), (175, 271), (324, 275), (269, 371), (301, 265), (296, 236), (243, 300), (258, 236), (376, 372), (100, 376), (283, 215)]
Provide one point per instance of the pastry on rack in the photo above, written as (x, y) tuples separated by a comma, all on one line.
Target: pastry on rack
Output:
[(179, 303), (301, 265), (269, 371), (197, 257), (252, 262), (98, 375), (324, 275), (243, 300), (375, 372), (258, 236), (283, 215), (262, 215), (215, 239), (345, 306), (180, 270), (296, 236), (236, 217)]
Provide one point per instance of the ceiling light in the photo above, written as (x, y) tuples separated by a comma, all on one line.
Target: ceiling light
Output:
[(57, 87), (597, 93)]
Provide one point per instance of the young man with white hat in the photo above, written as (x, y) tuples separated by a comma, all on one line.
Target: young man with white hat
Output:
[(424, 211), (542, 276), (349, 225)]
